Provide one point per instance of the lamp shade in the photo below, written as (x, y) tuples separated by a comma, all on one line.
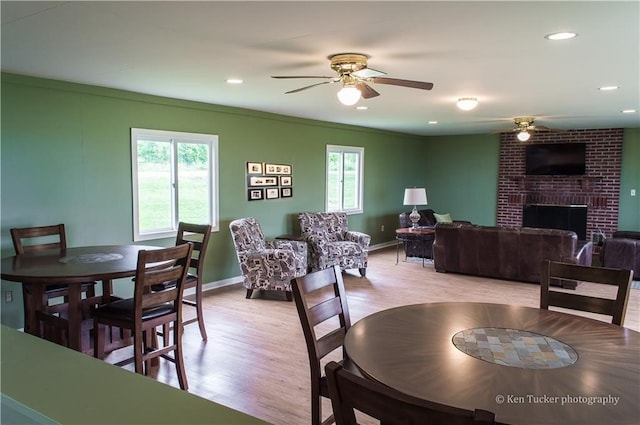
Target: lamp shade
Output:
[(415, 196)]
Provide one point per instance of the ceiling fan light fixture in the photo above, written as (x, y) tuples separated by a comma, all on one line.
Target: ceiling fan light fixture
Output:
[(523, 136), (349, 95), (467, 103)]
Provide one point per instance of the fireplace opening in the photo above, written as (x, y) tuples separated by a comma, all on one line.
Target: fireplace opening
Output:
[(565, 217)]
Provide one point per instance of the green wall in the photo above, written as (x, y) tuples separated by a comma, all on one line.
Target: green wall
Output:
[(461, 176), (629, 216), (66, 158)]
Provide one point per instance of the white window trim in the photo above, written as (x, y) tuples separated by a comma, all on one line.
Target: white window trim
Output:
[(342, 150), (162, 135)]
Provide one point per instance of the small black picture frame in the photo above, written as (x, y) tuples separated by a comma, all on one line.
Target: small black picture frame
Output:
[(255, 194)]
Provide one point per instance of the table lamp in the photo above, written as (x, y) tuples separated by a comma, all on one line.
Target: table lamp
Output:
[(415, 196)]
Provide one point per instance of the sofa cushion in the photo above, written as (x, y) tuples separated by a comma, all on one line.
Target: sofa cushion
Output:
[(626, 234), (443, 218), (622, 253)]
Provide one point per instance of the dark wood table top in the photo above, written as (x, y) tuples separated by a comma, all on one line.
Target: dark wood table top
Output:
[(411, 349), (73, 265), (417, 231)]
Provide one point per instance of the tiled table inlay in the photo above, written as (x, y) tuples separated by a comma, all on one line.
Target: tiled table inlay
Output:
[(91, 258), (515, 348)]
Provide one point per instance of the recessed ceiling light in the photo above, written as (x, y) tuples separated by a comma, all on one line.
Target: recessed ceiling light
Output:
[(608, 88), (362, 108), (234, 81), (561, 36), (433, 122), (628, 111), (467, 103)]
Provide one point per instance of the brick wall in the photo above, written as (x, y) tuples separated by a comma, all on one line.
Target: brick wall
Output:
[(599, 188)]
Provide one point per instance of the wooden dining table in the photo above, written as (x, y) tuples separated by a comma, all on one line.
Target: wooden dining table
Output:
[(527, 365), (73, 266)]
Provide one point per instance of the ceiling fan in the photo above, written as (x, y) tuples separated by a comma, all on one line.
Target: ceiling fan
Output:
[(524, 128), (354, 74)]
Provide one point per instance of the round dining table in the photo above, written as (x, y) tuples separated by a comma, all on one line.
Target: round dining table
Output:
[(73, 266), (527, 365)]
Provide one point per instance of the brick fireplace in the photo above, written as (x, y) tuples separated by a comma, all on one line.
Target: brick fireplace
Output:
[(598, 189)]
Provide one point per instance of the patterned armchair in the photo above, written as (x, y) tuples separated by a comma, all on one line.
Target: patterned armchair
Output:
[(267, 265), (331, 243)]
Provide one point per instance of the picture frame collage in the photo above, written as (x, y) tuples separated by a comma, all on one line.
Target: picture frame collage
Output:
[(269, 181)]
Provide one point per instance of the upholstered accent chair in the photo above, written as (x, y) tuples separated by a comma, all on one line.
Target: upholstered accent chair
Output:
[(267, 265), (332, 243)]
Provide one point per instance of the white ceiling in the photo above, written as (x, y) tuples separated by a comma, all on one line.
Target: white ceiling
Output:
[(495, 51)]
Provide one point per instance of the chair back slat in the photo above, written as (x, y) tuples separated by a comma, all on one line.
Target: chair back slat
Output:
[(325, 310), (49, 237), (616, 307), (315, 281), (350, 392), (198, 235), (160, 267), (581, 302), (329, 342)]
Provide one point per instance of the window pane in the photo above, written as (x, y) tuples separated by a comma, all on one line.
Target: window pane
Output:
[(334, 192), (351, 167), (154, 185), (193, 183)]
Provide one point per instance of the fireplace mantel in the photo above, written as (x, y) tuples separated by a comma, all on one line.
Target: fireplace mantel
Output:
[(586, 183)]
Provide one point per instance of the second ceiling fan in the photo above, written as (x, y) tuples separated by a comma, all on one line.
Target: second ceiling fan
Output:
[(524, 128), (354, 74)]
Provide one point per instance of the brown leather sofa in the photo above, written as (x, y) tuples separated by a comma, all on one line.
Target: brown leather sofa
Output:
[(513, 253), (622, 251)]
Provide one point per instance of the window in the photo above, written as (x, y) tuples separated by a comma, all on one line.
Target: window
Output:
[(345, 183), (175, 178)]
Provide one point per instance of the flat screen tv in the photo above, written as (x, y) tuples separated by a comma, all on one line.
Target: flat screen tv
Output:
[(555, 159)]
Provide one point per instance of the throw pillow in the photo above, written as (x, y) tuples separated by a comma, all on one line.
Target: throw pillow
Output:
[(443, 218)]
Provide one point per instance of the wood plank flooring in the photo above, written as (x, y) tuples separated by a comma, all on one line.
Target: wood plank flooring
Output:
[(256, 361)]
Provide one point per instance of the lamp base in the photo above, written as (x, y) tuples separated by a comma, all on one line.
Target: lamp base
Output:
[(414, 217)]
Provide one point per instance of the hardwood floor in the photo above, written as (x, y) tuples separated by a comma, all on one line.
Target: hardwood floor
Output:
[(256, 361)]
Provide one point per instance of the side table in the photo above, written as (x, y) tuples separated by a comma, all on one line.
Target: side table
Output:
[(408, 234)]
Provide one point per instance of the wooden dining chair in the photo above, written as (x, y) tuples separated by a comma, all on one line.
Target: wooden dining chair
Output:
[(616, 307), (29, 239), (149, 309), (198, 235), (320, 296), (350, 392)]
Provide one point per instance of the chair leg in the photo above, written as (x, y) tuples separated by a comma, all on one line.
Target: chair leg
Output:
[(166, 329), (200, 313), (178, 360), (98, 340), (363, 271), (139, 342), (249, 292)]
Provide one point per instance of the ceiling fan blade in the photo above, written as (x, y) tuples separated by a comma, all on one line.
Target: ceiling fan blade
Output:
[(368, 73), (366, 91), (404, 83), (504, 130), (301, 76), (543, 128), (308, 87)]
